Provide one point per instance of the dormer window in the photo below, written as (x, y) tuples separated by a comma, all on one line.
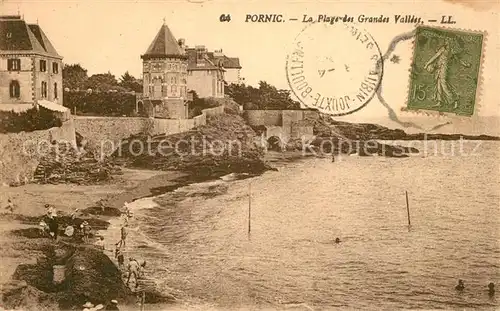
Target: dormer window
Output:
[(43, 65)]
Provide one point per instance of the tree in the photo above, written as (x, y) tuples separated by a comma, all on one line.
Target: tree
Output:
[(128, 82), (264, 97), (102, 82), (74, 76), (197, 104)]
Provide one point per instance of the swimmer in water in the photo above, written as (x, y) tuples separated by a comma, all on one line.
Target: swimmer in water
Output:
[(337, 240), (460, 285), (491, 289)]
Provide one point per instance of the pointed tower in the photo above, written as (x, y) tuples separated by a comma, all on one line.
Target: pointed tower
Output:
[(165, 75)]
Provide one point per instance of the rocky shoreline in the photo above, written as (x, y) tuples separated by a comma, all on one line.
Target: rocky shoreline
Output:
[(32, 284), (369, 131), (100, 281)]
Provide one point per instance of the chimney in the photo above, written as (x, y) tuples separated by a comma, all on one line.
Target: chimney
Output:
[(218, 53), (200, 51)]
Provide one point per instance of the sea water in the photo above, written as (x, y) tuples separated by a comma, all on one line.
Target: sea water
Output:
[(199, 249)]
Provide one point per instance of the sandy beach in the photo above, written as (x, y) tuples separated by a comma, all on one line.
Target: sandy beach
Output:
[(130, 186), (30, 199)]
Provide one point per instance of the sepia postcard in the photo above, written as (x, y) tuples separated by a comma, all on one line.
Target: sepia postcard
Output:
[(249, 155)]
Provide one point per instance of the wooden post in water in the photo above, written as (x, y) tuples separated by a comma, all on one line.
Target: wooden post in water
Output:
[(249, 207), (408, 208), (143, 300)]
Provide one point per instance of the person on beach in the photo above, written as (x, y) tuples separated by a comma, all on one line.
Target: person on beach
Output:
[(88, 306), (133, 268), (142, 267), (45, 228), (460, 286), (100, 243), (119, 255), (10, 206), (113, 305), (124, 234), (50, 211), (126, 213), (85, 227), (74, 214), (51, 221)]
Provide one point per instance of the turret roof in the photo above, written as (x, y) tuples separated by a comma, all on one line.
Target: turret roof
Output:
[(164, 45)]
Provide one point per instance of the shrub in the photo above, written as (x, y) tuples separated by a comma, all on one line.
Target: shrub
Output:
[(198, 104), (110, 104), (30, 120)]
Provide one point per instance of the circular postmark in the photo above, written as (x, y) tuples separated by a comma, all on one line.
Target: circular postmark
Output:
[(334, 68)]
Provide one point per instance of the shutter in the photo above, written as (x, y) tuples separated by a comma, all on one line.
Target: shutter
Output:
[(9, 64)]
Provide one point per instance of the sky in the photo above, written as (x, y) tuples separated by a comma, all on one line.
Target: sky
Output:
[(104, 35)]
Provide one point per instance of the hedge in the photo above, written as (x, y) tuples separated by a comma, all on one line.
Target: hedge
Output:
[(111, 104), (30, 120)]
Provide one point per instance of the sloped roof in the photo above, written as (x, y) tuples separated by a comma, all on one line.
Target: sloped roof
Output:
[(206, 63), (42, 38), (164, 45), (16, 35), (229, 62)]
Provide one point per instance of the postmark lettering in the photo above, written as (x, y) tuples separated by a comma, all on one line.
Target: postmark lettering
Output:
[(338, 78)]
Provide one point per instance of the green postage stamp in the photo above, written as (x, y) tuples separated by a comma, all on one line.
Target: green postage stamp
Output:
[(445, 71)]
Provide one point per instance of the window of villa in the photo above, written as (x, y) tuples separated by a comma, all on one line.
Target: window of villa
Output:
[(43, 65), (13, 64), (55, 67), (55, 90), (15, 89), (44, 89)]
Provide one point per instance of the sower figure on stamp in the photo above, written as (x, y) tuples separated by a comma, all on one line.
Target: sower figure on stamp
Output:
[(440, 63)]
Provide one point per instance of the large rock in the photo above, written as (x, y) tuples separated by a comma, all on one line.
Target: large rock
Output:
[(18, 294), (92, 276), (89, 276)]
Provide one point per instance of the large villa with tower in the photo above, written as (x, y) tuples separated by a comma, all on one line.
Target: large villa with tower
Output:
[(31, 71), (171, 70)]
